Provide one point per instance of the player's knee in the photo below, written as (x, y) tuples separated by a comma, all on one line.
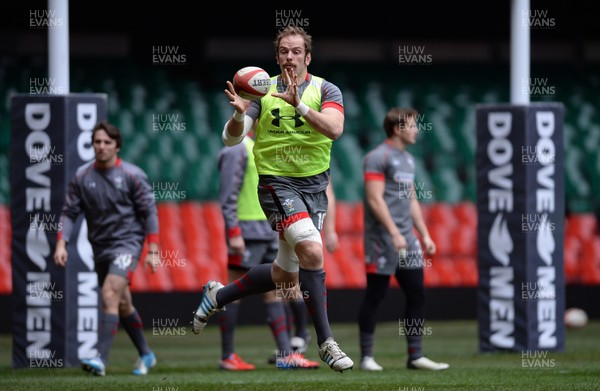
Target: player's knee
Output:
[(310, 254), (304, 238), (110, 299)]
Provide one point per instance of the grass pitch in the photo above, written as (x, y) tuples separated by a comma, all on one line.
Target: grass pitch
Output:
[(190, 362)]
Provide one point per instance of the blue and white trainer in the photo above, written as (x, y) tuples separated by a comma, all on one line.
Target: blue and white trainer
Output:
[(330, 353), (94, 366), (207, 307), (144, 364)]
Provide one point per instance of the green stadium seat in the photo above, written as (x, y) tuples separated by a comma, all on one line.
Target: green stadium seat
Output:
[(352, 113), (470, 184), (125, 122), (4, 180), (440, 137), (448, 187), (173, 170), (576, 184), (349, 157), (424, 186), (4, 134), (592, 169)]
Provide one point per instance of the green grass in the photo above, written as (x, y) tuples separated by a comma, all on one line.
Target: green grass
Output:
[(190, 362)]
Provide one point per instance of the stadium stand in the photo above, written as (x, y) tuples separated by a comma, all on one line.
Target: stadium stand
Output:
[(192, 234)]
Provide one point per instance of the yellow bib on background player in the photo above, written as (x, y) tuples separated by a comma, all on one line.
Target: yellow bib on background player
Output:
[(248, 207)]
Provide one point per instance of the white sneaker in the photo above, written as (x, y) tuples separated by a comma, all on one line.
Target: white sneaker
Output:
[(144, 364), (425, 363), (330, 352), (299, 344), (369, 364), (207, 307)]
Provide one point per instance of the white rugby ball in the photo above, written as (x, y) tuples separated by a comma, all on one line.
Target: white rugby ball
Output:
[(575, 318), (251, 82)]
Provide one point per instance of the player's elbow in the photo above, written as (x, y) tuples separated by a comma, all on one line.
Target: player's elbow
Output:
[(373, 202), (230, 142), (336, 132)]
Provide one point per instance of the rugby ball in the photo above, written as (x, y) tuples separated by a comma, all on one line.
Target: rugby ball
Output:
[(251, 83), (575, 318)]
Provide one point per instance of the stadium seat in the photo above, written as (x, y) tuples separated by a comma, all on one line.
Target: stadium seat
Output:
[(358, 218), (139, 283), (170, 243), (577, 186), (466, 213), (470, 184), (358, 246), (431, 277), (425, 207), (212, 217), (5, 270), (159, 281), (351, 267), (447, 185), (198, 238), (440, 136), (467, 268), (442, 214), (444, 266), (177, 259), (572, 250), (441, 236), (583, 225), (344, 218), (348, 155), (333, 275), (4, 180), (590, 261), (464, 241)]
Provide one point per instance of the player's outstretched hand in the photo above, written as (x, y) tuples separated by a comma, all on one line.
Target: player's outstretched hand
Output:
[(290, 95), (238, 103)]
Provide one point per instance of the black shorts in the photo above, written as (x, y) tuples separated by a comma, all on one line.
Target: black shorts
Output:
[(382, 258), (284, 206), (257, 252)]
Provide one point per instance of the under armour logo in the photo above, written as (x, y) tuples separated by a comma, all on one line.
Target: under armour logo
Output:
[(296, 117)]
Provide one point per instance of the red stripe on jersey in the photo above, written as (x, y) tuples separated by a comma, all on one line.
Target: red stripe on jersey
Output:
[(335, 105), (233, 232), (374, 176)]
